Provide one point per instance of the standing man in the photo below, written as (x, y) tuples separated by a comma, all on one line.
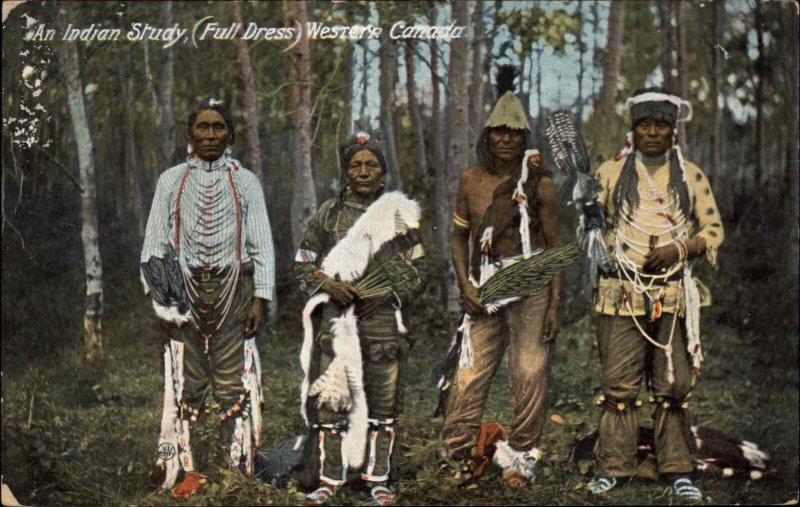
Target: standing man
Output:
[(661, 214), (209, 232), (491, 211)]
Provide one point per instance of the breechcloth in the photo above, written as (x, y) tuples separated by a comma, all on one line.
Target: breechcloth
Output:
[(518, 328), (384, 352), (624, 356), (221, 365)]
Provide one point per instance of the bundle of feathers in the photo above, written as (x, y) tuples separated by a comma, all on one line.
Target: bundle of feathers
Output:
[(165, 281), (716, 451)]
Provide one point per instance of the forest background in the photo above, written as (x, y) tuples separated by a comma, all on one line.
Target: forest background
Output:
[(88, 127)]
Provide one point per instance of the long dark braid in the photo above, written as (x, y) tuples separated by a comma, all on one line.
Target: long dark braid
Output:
[(627, 188)]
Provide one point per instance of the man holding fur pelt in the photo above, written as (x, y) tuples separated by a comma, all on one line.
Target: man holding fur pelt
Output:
[(354, 339), (505, 205)]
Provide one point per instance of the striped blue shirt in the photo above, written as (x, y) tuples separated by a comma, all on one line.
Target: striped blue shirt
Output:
[(207, 219)]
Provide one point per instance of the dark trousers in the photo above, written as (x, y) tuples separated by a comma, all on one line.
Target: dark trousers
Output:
[(625, 355)]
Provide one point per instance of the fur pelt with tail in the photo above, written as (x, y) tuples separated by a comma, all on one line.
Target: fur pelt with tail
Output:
[(390, 215), (347, 349)]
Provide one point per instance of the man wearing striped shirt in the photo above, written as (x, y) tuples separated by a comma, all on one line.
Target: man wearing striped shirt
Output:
[(209, 213)]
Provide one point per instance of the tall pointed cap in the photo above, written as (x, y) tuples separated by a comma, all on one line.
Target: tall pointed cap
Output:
[(508, 112)]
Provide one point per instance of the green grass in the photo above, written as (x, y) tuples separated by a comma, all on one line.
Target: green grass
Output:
[(78, 435)]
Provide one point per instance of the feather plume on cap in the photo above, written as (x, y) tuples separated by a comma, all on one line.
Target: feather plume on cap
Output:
[(506, 74)]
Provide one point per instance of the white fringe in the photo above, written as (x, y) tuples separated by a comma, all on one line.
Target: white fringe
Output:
[(465, 359), (171, 314), (169, 422), (525, 221), (511, 461), (692, 316)]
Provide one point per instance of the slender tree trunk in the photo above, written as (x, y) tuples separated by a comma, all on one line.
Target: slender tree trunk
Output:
[(248, 81), (304, 196), (131, 167), (352, 65), (362, 116), (458, 128), (596, 31), (167, 124), (616, 26), (760, 70), (488, 89), (793, 141), (539, 50), (683, 86), (581, 65), (417, 124), (476, 84), (608, 92), (437, 136), (669, 53), (93, 317), (716, 88), (388, 61), (436, 102)]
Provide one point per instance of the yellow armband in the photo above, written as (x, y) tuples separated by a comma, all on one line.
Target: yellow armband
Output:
[(460, 222)]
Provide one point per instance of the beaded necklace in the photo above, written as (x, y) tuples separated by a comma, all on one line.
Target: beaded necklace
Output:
[(207, 206)]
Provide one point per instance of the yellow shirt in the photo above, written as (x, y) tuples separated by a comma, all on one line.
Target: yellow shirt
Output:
[(649, 226)]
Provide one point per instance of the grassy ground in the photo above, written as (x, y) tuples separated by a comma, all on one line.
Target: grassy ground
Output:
[(79, 435)]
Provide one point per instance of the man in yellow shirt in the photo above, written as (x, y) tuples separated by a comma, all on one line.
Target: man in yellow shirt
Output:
[(661, 215)]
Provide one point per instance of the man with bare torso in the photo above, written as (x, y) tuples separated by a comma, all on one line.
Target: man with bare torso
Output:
[(486, 212)]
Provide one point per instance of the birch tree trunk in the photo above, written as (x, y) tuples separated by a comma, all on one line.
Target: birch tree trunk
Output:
[(92, 320), (304, 196), (458, 146), (417, 124), (387, 53)]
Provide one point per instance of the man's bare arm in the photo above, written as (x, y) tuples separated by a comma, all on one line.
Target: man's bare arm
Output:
[(547, 212), (459, 249)]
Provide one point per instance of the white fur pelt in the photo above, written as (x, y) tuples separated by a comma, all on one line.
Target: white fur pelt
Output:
[(511, 461), (372, 230), (347, 349), (349, 259)]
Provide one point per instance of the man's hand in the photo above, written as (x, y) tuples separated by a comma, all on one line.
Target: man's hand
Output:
[(550, 330), (661, 258), (254, 317), (342, 293), (469, 294)]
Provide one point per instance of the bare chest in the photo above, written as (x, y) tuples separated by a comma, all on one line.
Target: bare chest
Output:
[(479, 197)]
